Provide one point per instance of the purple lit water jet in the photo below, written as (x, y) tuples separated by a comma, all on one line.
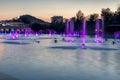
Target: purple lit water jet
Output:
[(25, 34), (10, 34), (117, 35), (103, 40), (36, 34), (84, 33), (16, 34), (13, 35), (71, 27), (97, 30), (67, 28)]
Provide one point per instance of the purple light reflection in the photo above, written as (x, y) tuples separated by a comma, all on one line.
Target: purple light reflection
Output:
[(84, 33)]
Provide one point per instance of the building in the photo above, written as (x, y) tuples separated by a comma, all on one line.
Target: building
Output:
[(57, 19), (13, 26)]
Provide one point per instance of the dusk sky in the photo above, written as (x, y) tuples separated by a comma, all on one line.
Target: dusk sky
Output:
[(47, 8)]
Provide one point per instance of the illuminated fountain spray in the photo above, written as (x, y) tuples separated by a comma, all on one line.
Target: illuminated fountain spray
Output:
[(103, 40), (97, 30), (71, 30), (49, 34), (36, 34), (25, 34), (16, 34), (84, 35), (67, 28), (72, 27), (13, 35), (10, 33), (117, 35)]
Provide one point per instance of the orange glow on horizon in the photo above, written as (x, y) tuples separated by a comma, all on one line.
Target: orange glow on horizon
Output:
[(47, 19)]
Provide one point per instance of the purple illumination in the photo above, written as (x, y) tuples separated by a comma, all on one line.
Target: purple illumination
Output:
[(103, 40), (50, 34), (17, 35), (67, 27), (13, 37), (10, 34), (97, 30), (71, 27), (99, 37), (36, 34), (70, 40), (25, 34), (84, 33), (117, 34), (83, 46), (63, 34)]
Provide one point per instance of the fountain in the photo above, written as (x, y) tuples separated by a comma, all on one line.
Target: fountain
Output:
[(97, 30), (25, 34), (36, 34), (99, 36), (13, 35), (84, 34), (67, 28), (16, 34), (10, 33), (103, 40), (71, 27)]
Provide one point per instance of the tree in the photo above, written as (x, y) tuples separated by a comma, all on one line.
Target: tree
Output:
[(15, 19), (118, 15), (79, 20), (58, 27), (91, 23), (36, 27), (93, 17), (118, 9), (80, 15), (108, 16)]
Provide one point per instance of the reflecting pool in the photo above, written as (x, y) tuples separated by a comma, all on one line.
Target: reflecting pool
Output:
[(26, 59)]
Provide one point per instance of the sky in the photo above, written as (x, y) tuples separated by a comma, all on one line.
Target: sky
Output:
[(45, 9)]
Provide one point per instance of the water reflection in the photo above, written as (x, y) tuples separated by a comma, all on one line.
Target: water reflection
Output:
[(61, 61), (1, 50), (15, 43), (99, 62)]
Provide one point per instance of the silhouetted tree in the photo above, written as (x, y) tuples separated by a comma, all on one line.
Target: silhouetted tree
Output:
[(58, 27), (16, 19), (93, 17), (91, 23), (24, 19), (118, 15), (108, 16), (111, 19), (36, 27), (79, 20), (80, 15)]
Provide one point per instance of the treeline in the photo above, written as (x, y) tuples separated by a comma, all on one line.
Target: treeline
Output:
[(110, 18)]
